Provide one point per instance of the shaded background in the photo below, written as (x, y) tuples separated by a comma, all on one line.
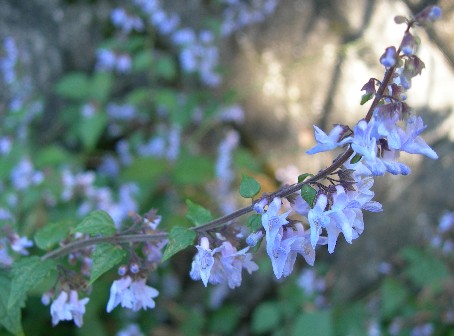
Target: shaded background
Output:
[(303, 65)]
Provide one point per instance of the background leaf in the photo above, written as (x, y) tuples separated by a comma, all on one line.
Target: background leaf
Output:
[(91, 129), (74, 85), (393, 295), (316, 323), (144, 170), (423, 269), (266, 317)]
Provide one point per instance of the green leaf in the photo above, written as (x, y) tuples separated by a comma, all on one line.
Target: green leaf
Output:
[(10, 317), (197, 214), (308, 193), (105, 257), (366, 97), (144, 170), (350, 319), (51, 155), (138, 96), (52, 234), (302, 177), (316, 323), (27, 273), (249, 187), (224, 320), (179, 239), (91, 129), (424, 269), (192, 321), (142, 60), (254, 223), (266, 317), (97, 223), (193, 170), (356, 158), (74, 85), (166, 68), (101, 86), (393, 294)]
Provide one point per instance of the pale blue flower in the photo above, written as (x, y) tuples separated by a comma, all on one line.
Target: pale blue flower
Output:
[(281, 256), (68, 307), (318, 218), (143, 295), (132, 294), (272, 221), (385, 126), (203, 262), (327, 142), (411, 141), (120, 293), (388, 59), (254, 238), (233, 262), (366, 145)]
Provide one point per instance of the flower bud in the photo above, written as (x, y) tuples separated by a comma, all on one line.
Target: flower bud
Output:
[(260, 205), (134, 268), (388, 59), (254, 238), (408, 44), (122, 270)]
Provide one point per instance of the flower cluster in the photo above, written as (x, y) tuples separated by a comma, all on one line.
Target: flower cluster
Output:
[(374, 147), (12, 240), (67, 307), (223, 264), (131, 293)]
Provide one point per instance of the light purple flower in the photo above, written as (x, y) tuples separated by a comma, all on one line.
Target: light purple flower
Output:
[(318, 218), (254, 238), (300, 206), (327, 142), (385, 126), (342, 215), (231, 263), (280, 253), (272, 222), (132, 294), (364, 144), (302, 245), (20, 244), (411, 141), (120, 293), (222, 265), (203, 262), (143, 295), (388, 59), (259, 206), (5, 258), (66, 308)]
